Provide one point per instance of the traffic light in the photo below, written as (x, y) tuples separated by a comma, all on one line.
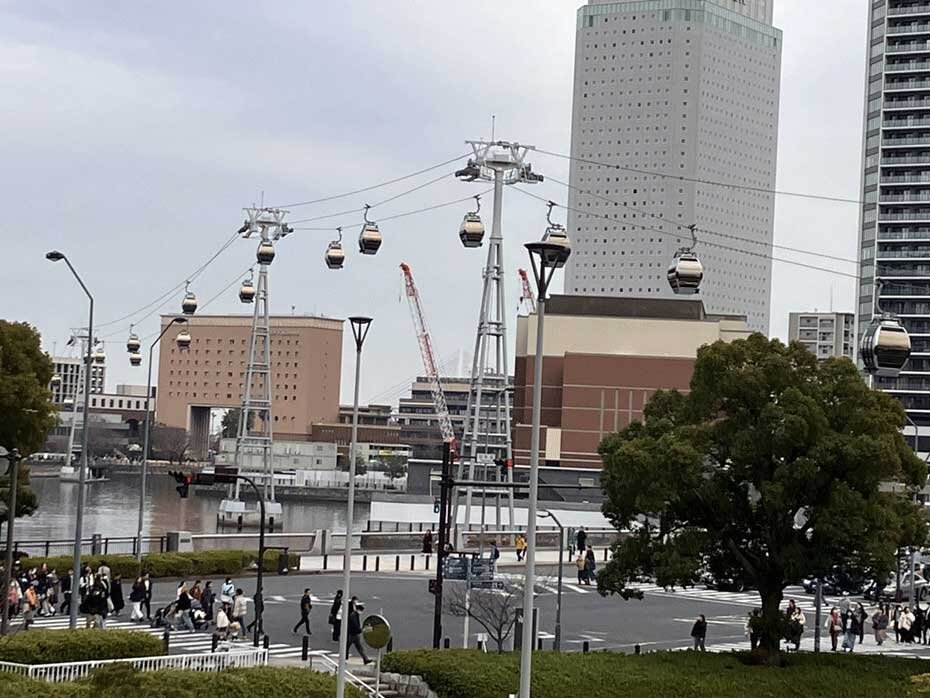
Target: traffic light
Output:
[(184, 482), (435, 505)]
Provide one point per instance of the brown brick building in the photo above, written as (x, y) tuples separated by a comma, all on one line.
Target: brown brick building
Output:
[(306, 357), (602, 359)]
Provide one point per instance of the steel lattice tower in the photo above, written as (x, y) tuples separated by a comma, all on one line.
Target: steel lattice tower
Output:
[(255, 433), (487, 437)]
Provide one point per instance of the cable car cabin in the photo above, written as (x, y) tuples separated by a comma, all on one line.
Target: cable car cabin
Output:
[(189, 304), (557, 235), (99, 357), (247, 292), (133, 344), (472, 230), (369, 240), (183, 339), (885, 348), (335, 256), (265, 252), (135, 358), (685, 273)]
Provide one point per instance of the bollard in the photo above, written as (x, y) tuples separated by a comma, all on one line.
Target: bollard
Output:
[(397, 563), (605, 554), (539, 642), (585, 646), (239, 522), (305, 648), (377, 563), (412, 560), (637, 649), (254, 638), (214, 642), (271, 523), (390, 645), (266, 642), (445, 643), (427, 562), (166, 640), (364, 563)]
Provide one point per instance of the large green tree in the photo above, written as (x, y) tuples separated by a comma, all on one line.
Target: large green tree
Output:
[(773, 467), (26, 410)]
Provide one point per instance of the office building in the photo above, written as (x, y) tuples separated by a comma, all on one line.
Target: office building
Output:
[(895, 218), (824, 334), (68, 368), (685, 89), (602, 360)]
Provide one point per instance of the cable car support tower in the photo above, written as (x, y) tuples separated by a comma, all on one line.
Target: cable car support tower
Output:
[(255, 420), (487, 450)]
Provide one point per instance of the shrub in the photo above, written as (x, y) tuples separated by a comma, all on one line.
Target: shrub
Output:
[(53, 646)]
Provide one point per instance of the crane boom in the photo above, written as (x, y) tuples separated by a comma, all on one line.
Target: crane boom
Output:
[(429, 358), (527, 294)]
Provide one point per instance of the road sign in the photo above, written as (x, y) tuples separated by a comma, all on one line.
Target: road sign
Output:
[(464, 567), (485, 458)]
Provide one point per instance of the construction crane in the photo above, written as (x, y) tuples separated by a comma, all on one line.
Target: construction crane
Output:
[(429, 359), (527, 295)]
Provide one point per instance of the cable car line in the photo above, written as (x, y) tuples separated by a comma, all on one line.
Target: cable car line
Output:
[(709, 182)]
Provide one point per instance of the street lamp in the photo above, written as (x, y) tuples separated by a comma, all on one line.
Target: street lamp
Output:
[(56, 256), (545, 257), (360, 326), (145, 439), (557, 643)]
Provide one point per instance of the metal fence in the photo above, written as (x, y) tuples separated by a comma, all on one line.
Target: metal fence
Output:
[(95, 545), (70, 671)]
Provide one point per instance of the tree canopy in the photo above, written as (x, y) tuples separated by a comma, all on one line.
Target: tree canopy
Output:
[(773, 466), (26, 410)]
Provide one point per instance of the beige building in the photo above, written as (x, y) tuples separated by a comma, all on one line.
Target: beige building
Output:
[(824, 334), (602, 360), (306, 354)]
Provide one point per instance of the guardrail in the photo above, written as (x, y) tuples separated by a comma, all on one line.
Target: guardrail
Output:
[(95, 545), (351, 678), (208, 661)]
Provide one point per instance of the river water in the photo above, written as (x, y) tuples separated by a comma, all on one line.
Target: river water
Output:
[(112, 510)]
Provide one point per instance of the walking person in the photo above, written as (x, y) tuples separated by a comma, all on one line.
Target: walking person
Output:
[(116, 595), (306, 604), (863, 617), (67, 584), (699, 633), (428, 542), (227, 592), (880, 625), (751, 622), (355, 629), (494, 553), (335, 615), (580, 564), (851, 630), (590, 565), (834, 627), (207, 597), (896, 622), (30, 603), (240, 608), (521, 546), (196, 592), (907, 626), (136, 596), (147, 598), (797, 627), (184, 606), (920, 618), (581, 539)]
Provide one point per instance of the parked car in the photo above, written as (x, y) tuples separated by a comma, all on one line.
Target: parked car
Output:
[(726, 582), (892, 592), (839, 582)]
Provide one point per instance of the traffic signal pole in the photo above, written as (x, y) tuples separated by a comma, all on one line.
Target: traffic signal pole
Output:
[(444, 489)]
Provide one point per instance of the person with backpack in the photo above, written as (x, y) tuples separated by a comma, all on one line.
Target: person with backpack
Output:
[(306, 604)]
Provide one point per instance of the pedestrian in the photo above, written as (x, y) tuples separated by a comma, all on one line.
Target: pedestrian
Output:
[(907, 626), (590, 565), (335, 615), (920, 618), (880, 625), (184, 609), (581, 539), (13, 595), (751, 623), (147, 599), (196, 592), (104, 571), (521, 546), (494, 553), (834, 626), (30, 603), (305, 605), (240, 608), (580, 564), (355, 629), (207, 597), (797, 627), (428, 542), (136, 596), (895, 623), (67, 584), (699, 633), (851, 630), (227, 591), (116, 595), (863, 617)]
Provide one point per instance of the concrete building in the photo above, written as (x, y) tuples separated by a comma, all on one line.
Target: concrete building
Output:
[(602, 359), (895, 218), (680, 88), (69, 369), (306, 368), (825, 334), (378, 415), (121, 413), (416, 416)]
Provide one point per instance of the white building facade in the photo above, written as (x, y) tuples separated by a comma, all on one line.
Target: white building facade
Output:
[(666, 89), (824, 334)]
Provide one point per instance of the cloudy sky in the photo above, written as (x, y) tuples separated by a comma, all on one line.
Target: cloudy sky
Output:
[(134, 133)]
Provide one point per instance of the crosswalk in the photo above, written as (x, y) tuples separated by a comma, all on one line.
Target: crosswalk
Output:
[(738, 598)]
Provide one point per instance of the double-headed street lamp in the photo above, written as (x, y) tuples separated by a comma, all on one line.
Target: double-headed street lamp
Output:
[(557, 642), (546, 257), (56, 256), (360, 326), (145, 439)]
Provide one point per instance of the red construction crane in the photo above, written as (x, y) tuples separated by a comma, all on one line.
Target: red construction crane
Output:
[(429, 359), (527, 294)]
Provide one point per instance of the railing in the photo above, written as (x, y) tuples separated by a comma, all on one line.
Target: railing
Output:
[(891, 142), (909, 10), (907, 48), (909, 29), (902, 254), (904, 197), (904, 234), (906, 160), (906, 123), (906, 85), (95, 545), (209, 661), (917, 216), (351, 678), (905, 179), (909, 65), (906, 103)]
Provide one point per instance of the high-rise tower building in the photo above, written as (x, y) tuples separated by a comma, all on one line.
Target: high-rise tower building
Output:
[(669, 89), (895, 219)]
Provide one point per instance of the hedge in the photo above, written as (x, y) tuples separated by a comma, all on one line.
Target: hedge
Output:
[(53, 646), (118, 681), (472, 674), (205, 563)]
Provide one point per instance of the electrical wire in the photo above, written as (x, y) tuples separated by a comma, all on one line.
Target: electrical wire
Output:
[(709, 182), (375, 186)]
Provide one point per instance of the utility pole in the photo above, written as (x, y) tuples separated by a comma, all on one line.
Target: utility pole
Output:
[(13, 458), (444, 490)]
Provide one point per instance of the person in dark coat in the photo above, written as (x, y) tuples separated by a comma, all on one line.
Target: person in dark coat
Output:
[(335, 615), (67, 583), (699, 633), (355, 630), (581, 539), (207, 597), (428, 542), (305, 605), (116, 595)]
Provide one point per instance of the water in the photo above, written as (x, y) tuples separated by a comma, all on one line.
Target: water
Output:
[(112, 510)]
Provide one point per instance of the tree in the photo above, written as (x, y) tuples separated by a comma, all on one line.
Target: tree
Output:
[(102, 441), (230, 423), (771, 467), (171, 442), (495, 610), (395, 467), (26, 410)]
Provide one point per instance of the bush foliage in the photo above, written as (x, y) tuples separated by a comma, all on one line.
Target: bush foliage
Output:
[(198, 564), (472, 674), (53, 646)]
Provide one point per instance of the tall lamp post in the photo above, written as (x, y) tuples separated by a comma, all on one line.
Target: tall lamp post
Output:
[(545, 257), (360, 326), (145, 439), (56, 256), (13, 458), (557, 642)]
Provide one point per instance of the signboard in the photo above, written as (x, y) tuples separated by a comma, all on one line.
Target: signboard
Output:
[(464, 567)]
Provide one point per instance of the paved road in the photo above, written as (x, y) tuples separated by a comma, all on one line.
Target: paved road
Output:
[(662, 620)]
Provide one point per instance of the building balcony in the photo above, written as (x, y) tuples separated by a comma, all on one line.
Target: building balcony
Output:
[(906, 85), (917, 103), (890, 255), (904, 272), (909, 198), (921, 28), (916, 216), (906, 178), (907, 67), (913, 47), (917, 122), (904, 235), (908, 142), (899, 160), (908, 10)]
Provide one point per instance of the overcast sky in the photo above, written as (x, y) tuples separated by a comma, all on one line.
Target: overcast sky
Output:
[(134, 133)]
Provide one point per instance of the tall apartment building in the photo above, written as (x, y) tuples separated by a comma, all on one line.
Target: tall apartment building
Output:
[(682, 88), (895, 219), (68, 368), (824, 334)]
